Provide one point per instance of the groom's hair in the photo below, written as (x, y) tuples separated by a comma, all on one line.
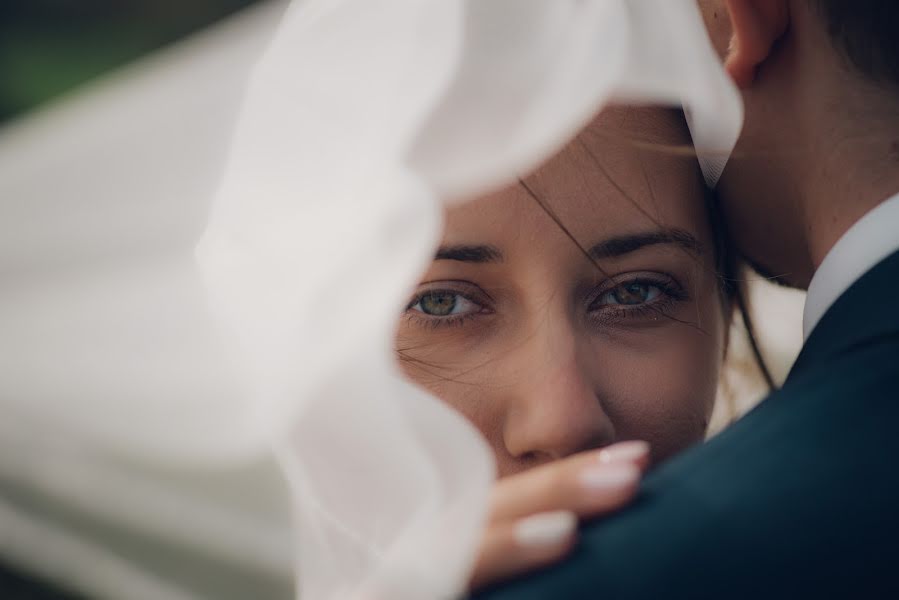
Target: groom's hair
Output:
[(866, 32)]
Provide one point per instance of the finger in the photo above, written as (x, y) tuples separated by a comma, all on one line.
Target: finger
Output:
[(589, 484), (635, 452), (517, 547)]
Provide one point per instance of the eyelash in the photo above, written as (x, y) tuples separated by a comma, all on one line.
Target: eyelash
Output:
[(671, 294), (440, 322), (435, 322)]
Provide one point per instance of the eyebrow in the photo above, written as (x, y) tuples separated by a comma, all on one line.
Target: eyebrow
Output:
[(471, 254), (625, 244)]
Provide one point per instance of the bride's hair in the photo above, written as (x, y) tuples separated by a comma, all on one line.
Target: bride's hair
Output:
[(727, 265)]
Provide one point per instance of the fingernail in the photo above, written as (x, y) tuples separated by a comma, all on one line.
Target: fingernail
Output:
[(609, 477), (545, 529), (624, 452)]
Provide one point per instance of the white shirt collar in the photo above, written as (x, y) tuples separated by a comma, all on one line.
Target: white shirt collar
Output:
[(870, 240)]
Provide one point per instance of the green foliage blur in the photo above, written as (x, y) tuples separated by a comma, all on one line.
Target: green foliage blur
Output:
[(48, 47)]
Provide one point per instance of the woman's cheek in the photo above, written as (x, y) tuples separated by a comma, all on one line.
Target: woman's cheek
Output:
[(457, 367), (664, 391)]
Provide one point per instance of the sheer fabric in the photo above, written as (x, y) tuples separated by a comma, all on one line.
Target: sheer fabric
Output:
[(124, 468), (271, 337)]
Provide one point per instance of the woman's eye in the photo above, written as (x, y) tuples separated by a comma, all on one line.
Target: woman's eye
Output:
[(444, 304), (630, 294)]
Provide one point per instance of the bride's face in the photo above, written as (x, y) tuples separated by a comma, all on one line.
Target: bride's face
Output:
[(549, 352)]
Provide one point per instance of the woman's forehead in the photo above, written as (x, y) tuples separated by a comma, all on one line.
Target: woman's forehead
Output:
[(603, 183)]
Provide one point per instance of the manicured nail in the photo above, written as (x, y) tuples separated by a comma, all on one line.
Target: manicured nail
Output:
[(545, 529), (609, 477), (624, 452)]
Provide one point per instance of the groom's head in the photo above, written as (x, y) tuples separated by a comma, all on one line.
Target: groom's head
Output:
[(820, 80)]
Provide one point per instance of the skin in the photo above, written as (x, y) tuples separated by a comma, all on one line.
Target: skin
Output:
[(818, 151), (819, 147), (514, 327)]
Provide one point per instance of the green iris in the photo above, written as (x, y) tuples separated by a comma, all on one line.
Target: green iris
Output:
[(438, 304)]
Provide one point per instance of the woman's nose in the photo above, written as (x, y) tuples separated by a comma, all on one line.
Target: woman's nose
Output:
[(554, 410)]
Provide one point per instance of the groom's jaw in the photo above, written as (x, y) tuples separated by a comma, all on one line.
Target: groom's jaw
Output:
[(820, 146)]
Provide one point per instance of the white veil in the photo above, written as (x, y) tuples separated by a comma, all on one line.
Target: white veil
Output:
[(119, 343)]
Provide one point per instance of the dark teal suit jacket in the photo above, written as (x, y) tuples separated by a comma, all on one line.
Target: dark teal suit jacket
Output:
[(799, 499)]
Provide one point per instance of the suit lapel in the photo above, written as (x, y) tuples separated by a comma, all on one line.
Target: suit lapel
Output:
[(866, 312)]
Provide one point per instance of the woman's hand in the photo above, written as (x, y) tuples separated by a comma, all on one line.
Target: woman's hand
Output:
[(534, 515)]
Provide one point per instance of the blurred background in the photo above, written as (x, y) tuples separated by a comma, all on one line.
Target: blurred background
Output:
[(50, 47)]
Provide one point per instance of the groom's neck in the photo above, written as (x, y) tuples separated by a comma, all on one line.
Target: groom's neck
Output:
[(852, 164), (821, 150)]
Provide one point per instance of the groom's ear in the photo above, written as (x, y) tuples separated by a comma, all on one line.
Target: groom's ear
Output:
[(755, 27)]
